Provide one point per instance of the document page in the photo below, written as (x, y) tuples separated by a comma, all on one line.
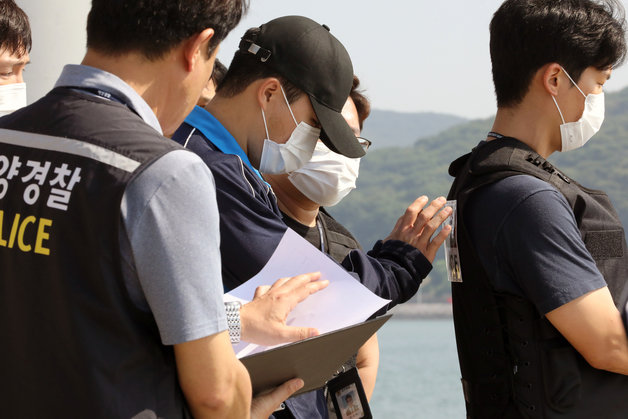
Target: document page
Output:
[(343, 303)]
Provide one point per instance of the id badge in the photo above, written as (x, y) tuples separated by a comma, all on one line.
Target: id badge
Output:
[(348, 396), (452, 257)]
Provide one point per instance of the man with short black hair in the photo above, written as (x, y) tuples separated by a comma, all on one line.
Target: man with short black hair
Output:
[(544, 262), (15, 44), (111, 302), (285, 89), (267, 116)]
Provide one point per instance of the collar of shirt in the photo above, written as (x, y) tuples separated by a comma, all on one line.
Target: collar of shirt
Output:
[(215, 132), (83, 76)]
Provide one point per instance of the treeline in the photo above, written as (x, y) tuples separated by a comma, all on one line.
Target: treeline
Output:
[(391, 178)]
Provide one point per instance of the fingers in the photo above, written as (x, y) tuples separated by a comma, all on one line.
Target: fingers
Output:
[(294, 289), (409, 217), (302, 286), (261, 290), (433, 246), (403, 226), (264, 405), (287, 389), (311, 288), (280, 282), (433, 223), (424, 239), (294, 334), (297, 281), (426, 215)]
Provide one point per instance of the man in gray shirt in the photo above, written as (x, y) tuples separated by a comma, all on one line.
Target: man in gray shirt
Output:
[(123, 271)]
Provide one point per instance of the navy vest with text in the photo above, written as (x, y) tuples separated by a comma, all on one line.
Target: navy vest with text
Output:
[(73, 343)]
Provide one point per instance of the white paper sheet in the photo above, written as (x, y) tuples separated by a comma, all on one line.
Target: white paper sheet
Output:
[(344, 302)]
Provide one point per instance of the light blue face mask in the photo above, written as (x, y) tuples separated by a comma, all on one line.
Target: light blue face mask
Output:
[(294, 153), (575, 134)]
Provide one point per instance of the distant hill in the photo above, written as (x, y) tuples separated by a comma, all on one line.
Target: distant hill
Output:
[(391, 178), (399, 129)]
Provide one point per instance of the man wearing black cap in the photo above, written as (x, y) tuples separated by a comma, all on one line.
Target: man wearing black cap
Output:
[(284, 90)]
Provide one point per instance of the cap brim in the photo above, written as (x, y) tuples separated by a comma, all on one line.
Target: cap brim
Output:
[(335, 132)]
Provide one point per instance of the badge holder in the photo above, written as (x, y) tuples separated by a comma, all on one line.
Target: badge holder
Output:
[(452, 257), (348, 397)]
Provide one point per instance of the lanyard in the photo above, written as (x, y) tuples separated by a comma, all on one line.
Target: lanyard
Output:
[(321, 234)]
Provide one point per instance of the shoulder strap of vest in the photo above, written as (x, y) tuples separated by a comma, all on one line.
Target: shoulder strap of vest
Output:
[(494, 160)]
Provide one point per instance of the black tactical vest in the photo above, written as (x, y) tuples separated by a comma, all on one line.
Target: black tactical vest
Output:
[(339, 241), (514, 363), (73, 343)]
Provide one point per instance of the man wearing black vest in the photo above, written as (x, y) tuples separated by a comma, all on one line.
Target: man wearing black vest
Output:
[(543, 260), (110, 285)]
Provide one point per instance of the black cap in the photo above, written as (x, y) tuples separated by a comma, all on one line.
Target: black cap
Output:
[(311, 58)]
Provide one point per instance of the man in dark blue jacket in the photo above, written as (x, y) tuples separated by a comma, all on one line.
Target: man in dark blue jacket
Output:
[(264, 96), (291, 72)]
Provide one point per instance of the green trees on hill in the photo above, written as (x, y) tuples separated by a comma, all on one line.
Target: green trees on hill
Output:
[(391, 178)]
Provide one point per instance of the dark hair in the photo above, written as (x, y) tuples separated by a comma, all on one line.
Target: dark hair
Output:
[(361, 102), (577, 34), (15, 31), (218, 74), (246, 68), (154, 27)]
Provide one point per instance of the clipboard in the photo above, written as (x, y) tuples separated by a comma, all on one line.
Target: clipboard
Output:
[(315, 360)]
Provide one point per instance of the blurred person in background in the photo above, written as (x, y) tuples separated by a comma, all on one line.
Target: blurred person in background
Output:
[(209, 91), (15, 45)]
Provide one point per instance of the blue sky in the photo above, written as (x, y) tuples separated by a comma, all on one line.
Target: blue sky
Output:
[(411, 55)]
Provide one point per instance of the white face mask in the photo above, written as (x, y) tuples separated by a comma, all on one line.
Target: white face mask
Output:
[(327, 177), (575, 134), (12, 97), (294, 153)]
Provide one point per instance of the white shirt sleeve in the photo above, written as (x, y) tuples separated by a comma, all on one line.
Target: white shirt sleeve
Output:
[(171, 258)]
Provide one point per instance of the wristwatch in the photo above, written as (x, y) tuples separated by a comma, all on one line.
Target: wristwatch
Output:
[(233, 320)]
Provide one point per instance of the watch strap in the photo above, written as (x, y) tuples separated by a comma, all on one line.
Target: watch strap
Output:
[(233, 320)]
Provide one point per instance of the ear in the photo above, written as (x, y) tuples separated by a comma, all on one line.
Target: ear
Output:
[(549, 74), (267, 89), (208, 89), (196, 47)]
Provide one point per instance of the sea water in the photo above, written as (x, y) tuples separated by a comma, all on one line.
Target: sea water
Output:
[(418, 376)]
